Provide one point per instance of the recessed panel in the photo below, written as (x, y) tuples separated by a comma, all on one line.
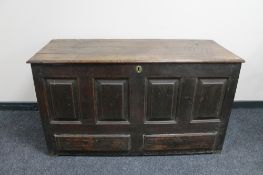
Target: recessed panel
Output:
[(209, 97), (63, 101), (112, 100), (187, 141), (85, 142), (161, 99)]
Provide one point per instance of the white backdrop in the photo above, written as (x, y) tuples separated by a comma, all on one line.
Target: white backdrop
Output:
[(27, 25)]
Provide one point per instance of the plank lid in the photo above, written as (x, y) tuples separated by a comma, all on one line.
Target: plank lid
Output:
[(133, 51)]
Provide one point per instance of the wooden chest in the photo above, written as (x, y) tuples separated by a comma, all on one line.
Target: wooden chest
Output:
[(134, 97)]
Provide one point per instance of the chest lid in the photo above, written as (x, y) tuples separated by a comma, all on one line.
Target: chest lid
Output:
[(133, 51)]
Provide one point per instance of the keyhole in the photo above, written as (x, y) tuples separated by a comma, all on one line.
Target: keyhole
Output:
[(138, 69)]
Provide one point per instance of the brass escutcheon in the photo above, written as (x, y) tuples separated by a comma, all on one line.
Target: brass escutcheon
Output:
[(138, 69)]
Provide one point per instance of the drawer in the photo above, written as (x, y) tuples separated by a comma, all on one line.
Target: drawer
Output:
[(86, 142), (189, 141)]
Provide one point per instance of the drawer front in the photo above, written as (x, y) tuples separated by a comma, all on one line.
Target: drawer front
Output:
[(85, 142), (135, 108), (180, 142)]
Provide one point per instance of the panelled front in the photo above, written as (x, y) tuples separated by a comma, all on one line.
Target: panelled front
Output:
[(81, 106), (175, 108), (164, 98), (183, 109)]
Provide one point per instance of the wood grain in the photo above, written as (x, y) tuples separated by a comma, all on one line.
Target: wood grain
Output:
[(174, 104), (164, 142), (85, 142), (133, 51)]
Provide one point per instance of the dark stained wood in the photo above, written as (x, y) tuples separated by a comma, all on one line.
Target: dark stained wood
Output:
[(164, 108), (82, 142), (161, 99), (166, 142), (209, 98), (187, 92), (63, 100), (112, 100), (134, 51)]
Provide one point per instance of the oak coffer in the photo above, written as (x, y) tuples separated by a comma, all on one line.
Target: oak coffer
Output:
[(134, 97)]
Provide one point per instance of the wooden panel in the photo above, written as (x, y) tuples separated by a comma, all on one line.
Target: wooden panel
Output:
[(88, 86), (134, 51), (83, 142), (187, 90), (112, 100), (166, 142), (161, 99), (63, 100), (209, 98)]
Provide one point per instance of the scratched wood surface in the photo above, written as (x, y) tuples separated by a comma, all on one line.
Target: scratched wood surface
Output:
[(156, 97), (106, 109), (133, 51)]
